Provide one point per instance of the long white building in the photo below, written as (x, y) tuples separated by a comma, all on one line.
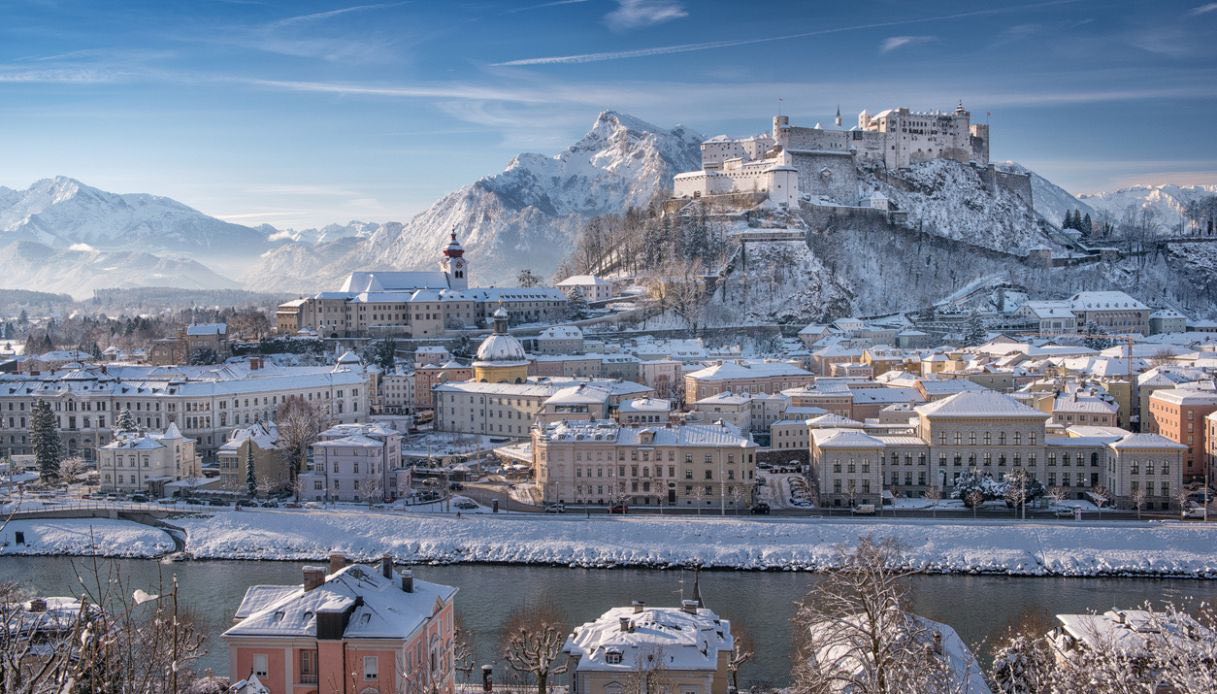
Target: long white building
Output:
[(205, 402)]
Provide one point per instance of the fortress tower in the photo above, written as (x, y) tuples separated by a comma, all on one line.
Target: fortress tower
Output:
[(454, 264)]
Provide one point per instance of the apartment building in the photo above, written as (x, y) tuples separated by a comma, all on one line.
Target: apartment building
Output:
[(601, 462), (137, 461), (351, 629), (1179, 415), (744, 377), (205, 402), (356, 463)]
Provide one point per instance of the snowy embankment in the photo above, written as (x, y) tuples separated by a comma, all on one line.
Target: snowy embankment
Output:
[(83, 537), (1042, 548)]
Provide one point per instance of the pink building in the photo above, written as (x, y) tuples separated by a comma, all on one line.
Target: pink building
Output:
[(356, 630)]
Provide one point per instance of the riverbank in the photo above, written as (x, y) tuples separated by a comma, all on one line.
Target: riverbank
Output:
[(1041, 548)]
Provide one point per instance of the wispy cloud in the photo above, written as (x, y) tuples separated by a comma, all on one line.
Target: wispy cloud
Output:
[(318, 16), (1204, 9), (543, 5), (895, 43), (632, 14), (441, 91), (731, 43)]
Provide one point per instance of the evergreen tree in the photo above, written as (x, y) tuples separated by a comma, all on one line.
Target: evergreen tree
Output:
[(974, 333), (23, 319), (125, 422), (1087, 225), (1068, 223), (251, 478), (384, 354), (44, 434), (577, 305)]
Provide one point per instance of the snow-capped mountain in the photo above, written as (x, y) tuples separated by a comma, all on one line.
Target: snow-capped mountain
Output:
[(81, 269), (330, 232), (62, 212), (1169, 203), (524, 217)]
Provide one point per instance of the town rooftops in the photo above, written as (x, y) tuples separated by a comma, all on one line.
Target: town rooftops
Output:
[(382, 280), (979, 404), (685, 638), (645, 405), (379, 607)]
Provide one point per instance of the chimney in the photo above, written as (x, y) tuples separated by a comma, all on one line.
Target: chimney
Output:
[(314, 576), (638, 605), (386, 566), (38, 605), (624, 623), (689, 606), (255, 363), (487, 678), (407, 581), (338, 562)]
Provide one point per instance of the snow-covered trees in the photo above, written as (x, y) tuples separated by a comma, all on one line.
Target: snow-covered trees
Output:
[(1153, 650), (72, 469), (532, 641), (125, 422), (44, 435), (1017, 489), (251, 472)]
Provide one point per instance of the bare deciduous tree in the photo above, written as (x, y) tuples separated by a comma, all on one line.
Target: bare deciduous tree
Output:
[(299, 423), (532, 641), (855, 634)]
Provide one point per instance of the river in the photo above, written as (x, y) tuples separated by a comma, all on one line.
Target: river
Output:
[(980, 608)]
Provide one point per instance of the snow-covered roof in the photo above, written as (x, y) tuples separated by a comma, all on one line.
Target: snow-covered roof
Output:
[(831, 421), (200, 329), (1186, 396), (982, 403), (584, 281), (379, 607), (501, 348), (1145, 440), (844, 438), (1105, 301), (729, 370), (645, 405), (382, 280), (561, 332), (683, 435), (725, 398), (624, 640)]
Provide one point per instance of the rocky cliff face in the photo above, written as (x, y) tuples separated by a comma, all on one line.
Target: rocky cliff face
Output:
[(525, 217)]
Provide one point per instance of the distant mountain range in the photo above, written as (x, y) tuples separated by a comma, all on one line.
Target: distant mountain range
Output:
[(64, 236)]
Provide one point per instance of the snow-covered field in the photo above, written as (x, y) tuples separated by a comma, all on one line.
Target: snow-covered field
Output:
[(1022, 548)]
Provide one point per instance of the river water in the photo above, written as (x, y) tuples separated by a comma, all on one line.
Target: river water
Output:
[(980, 608)]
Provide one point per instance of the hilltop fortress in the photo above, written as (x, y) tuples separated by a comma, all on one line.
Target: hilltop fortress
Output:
[(794, 163)]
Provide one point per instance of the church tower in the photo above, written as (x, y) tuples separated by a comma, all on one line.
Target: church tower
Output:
[(454, 264)]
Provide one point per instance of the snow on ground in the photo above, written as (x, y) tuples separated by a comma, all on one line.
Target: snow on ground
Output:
[(84, 536), (1025, 548)]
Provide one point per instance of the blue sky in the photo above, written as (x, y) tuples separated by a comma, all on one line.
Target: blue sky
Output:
[(310, 112)]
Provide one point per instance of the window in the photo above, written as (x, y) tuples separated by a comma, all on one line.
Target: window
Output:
[(371, 665), (260, 667), (613, 657), (308, 667)]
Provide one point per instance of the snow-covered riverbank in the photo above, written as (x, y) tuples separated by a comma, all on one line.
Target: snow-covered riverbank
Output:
[(945, 546)]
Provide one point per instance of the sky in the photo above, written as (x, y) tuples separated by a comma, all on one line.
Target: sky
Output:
[(312, 112)]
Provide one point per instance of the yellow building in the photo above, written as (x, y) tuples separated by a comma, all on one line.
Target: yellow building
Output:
[(500, 358)]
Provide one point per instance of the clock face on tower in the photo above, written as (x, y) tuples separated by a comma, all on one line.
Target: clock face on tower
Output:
[(459, 264)]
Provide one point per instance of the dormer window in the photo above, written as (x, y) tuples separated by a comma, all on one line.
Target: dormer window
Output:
[(613, 657)]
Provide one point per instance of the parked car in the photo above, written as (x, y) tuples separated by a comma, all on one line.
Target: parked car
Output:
[(555, 508), (139, 498), (863, 510), (1063, 513), (760, 509), (621, 507), (1192, 512), (466, 505), (456, 486)]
